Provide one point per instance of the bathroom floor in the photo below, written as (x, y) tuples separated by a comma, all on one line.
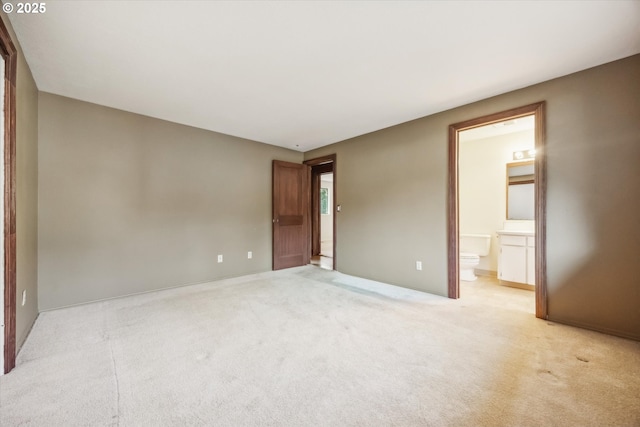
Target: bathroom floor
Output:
[(488, 291)]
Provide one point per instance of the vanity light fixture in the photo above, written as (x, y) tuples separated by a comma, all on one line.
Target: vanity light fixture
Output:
[(524, 154)]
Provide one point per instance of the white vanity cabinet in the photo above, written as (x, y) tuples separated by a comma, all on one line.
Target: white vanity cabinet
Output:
[(531, 260), (516, 262)]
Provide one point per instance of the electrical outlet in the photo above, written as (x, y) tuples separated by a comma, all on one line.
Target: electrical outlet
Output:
[(219, 258), (24, 297), (419, 265), (249, 255)]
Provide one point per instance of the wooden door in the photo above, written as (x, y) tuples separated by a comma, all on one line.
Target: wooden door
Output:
[(513, 263), (291, 199)]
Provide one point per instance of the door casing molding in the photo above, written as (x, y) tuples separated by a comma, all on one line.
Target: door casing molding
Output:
[(316, 229), (331, 158), (9, 53), (540, 167)]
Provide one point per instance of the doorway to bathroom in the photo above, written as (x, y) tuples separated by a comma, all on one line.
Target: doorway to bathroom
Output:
[(496, 207)]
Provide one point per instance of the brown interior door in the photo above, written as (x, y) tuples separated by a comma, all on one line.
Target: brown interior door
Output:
[(291, 199)]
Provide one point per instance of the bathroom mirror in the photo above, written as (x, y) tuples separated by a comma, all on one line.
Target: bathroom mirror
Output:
[(520, 190)]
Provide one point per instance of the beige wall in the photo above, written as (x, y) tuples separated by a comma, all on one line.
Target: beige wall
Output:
[(131, 204), (392, 186), (26, 193)]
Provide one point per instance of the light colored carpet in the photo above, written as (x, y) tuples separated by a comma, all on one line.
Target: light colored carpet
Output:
[(311, 347)]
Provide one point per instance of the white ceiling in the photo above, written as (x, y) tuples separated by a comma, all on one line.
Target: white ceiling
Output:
[(306, 74)]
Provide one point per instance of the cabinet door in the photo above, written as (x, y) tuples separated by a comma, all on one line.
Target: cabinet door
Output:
[(513, 263), (531, 265)]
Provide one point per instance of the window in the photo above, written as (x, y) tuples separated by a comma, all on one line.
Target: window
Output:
[(324, 201)]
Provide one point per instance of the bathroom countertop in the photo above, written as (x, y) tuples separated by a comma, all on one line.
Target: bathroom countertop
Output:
[(517, 232)]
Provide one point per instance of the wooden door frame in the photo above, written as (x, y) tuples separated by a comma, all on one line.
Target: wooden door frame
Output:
[(317, 163), (9, 53), (453, 230), (316, 229)]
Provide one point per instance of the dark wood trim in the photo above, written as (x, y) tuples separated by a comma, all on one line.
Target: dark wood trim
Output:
[(9, 53), (331, 158), (515, 113), (322, 168), (307, 195), (540, 188), (315, 212), (316, 230), (453, 232), (324, 160)]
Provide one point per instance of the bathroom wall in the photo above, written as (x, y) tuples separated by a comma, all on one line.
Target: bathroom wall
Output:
[(482, 186)]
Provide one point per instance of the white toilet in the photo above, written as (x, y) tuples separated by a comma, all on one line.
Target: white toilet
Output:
[(472, 247)]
